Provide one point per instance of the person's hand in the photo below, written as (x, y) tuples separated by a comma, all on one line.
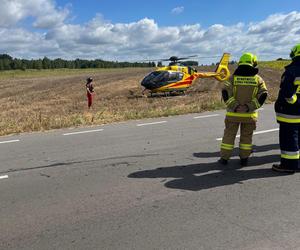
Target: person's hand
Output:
[(242, 108)]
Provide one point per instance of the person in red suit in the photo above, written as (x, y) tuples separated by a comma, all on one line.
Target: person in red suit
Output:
[(89, 91)]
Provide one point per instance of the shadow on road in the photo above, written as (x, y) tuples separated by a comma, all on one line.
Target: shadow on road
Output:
[(201, 176)]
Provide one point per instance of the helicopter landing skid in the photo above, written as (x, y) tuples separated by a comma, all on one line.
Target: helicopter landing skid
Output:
[(146, 92), (151, 94)]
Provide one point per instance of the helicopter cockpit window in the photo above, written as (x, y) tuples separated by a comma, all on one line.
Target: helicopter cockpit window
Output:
[(156, 78), (173, 76), (152, 75), (179, 76), (163, 77)]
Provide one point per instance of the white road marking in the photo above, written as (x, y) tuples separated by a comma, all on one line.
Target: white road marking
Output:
[(151, 123), (84, 132), (256, 133), (3, 177), (2, 142), (205, 116), (260, 109), (266, 131)]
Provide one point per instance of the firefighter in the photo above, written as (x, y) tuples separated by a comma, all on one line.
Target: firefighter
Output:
[(287, 108), (243, 94)]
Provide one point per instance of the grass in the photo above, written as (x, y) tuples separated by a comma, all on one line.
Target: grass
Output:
[(51, 99), (34, 73), (275, 64)]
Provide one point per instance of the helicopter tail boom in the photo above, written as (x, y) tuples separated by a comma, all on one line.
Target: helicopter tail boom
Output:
[(221, 73)]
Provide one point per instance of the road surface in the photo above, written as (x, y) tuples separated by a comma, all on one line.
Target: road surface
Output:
[(150, 184)]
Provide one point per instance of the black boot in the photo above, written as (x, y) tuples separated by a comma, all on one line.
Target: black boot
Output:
[(223, 161), (244, 162), (282, 169)]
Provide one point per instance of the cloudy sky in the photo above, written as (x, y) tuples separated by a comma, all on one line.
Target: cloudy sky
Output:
[(136, 29)]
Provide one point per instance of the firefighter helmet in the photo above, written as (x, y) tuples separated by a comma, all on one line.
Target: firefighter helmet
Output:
[(295, 51), (248, 59)]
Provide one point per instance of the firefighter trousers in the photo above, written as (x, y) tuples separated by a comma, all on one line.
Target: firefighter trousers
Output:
[(245, 146), (289, 140)]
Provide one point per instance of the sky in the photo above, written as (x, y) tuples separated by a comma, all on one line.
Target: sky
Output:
[(137, 30)]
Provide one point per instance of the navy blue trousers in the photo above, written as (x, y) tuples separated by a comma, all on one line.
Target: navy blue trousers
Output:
[(289, 140)]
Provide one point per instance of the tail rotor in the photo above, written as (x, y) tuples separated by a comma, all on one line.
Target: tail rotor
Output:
[(222, 70)]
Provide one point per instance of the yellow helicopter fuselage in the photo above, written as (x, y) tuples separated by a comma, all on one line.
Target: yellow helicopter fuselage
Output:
[(178, 77)]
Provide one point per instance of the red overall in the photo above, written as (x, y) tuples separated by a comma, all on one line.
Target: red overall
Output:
[(89, 93), (90, 99)]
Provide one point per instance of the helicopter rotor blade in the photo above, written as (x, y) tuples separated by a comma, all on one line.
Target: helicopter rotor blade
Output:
[(187, 57), (169, 59), (179, 58), (154, 60)]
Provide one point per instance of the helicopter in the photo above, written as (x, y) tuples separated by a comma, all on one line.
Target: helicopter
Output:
[(177, 78)]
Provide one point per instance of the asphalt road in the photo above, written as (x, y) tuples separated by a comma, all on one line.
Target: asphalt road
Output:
[(151, 184)]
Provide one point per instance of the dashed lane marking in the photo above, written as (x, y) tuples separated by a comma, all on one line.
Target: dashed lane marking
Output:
[(84, 132), (3, 177), (151, 123), (205, 116), (3, 142), (256, 133)]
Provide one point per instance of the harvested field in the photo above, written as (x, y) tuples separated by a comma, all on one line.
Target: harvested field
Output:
[(39, 101)]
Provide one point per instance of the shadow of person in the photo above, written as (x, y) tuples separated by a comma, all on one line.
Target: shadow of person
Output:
[(207, 181), (197, 177), (256, 149)]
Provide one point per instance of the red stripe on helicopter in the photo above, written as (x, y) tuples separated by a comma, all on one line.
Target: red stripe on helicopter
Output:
[(181, 83), (188, 80)]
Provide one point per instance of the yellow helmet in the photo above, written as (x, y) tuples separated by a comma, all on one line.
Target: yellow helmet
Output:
[(248, 59), (295, 51)]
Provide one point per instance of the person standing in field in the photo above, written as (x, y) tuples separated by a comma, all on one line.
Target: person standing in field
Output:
[(243, 94), (89, 91), (287, 108)]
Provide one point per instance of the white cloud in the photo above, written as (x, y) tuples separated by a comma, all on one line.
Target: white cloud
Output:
[(26, 44), (177, 10), (44, 13), (277, 23), (99, 38)]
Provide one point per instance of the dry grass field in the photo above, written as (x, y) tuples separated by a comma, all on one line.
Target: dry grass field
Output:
[(43, 100)]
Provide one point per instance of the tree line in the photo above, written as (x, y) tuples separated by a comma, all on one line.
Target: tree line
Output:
[(9, 63)]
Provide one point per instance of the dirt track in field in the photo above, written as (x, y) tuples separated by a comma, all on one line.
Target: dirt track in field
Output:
[(42, 103)]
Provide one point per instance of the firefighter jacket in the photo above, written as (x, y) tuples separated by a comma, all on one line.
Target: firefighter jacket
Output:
[(287, 105), (245, 87)]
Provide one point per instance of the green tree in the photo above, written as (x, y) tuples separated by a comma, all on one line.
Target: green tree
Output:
[(46, 62)]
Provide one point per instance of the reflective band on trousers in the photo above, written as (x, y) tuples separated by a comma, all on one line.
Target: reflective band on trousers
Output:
[(290, 155), (251, 115), (227, 146), (246, 146), (288, 118)]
